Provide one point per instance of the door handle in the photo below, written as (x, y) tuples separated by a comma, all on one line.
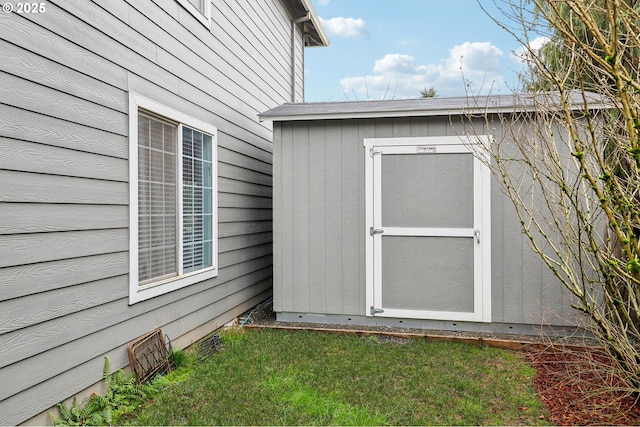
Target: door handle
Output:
[(476, 234)]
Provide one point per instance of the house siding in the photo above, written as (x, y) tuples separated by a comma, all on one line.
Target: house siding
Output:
[(320, 235), (64, 229)]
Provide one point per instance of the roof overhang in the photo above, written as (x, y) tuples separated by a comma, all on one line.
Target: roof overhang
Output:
[(303, 12), (422, 107)]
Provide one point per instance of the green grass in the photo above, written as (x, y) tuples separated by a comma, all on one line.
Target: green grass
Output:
[(309, 378)]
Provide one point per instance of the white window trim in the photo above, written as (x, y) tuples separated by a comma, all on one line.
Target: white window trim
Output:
[(203, 17), (141, 293)]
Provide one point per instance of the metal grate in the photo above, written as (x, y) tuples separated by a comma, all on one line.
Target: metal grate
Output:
[(208, 346), (148, 355)]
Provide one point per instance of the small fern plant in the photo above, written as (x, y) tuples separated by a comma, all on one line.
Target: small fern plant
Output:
[(86, 413), (122, 395), (123, 391)]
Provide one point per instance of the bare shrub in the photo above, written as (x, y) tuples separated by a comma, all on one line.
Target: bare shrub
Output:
[(570, 162)]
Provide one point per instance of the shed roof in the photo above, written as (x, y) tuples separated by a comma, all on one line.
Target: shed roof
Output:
[(421, 107)]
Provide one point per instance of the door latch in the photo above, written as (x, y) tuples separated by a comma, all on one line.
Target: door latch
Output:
[(476, 234), (373, 231), (375, 311)]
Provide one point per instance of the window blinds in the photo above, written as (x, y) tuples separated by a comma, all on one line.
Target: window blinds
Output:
[(157, 206), (197, 194)]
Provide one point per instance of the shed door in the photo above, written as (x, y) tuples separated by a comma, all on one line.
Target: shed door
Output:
[(428, 249)]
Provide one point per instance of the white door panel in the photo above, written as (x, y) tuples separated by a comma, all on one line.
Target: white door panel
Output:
[(428, 243)]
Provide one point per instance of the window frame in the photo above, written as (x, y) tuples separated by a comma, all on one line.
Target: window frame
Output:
[(137, 292), (204, 16)]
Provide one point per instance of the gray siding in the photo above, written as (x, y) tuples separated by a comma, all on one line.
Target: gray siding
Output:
[(66, 75), (319, 225)]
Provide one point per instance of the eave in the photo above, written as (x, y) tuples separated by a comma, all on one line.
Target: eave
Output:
[(312, 28)]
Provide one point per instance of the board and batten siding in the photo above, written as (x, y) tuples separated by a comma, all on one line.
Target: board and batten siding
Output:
[(319, 225), (64, 230)]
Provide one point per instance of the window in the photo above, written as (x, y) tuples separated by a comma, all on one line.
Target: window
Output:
[(173, 199), (200, 9)]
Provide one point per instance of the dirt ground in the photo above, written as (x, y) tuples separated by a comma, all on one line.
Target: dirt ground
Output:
[(569, 382)]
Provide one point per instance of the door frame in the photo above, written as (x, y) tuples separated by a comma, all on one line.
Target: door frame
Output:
[(425, 146)]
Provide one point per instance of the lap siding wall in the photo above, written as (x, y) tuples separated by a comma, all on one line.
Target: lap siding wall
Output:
[(64, 228)]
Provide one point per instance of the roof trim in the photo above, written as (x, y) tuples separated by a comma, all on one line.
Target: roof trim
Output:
[(312, 28), (421, 107), (376, 114), (322, 39)]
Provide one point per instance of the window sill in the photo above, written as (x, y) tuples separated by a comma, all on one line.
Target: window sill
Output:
[(151, 290)]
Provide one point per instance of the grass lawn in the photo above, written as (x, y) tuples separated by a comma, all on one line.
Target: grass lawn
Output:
[(276, 377)]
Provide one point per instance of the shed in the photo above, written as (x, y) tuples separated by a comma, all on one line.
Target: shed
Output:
[(383, 216)]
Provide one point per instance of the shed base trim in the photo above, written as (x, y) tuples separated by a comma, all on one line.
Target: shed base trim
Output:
[(440, 325)]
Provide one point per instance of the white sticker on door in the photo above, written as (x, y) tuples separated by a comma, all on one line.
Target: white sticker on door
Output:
[(428, 149)]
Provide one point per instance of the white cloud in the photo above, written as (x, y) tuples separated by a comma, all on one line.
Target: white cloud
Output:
[(323, 2), (345, 27), (476, 56), (475, 65), (534, 45), (538, 42), (395, 64)]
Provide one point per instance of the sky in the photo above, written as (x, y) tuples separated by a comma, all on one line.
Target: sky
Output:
[(392, 49)]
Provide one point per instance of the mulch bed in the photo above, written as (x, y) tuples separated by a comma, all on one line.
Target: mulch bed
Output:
[(571, 386)]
